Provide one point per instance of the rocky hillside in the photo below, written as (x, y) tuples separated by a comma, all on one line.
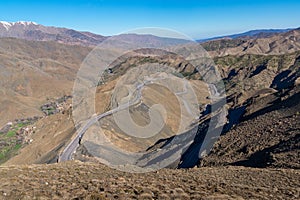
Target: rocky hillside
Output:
[(248, 75), (263, 122), (267, 135)]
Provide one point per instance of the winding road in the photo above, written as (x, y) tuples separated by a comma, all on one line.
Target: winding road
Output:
[(74, 144)]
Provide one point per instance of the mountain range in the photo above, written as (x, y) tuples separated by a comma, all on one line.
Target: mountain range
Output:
[(259, 33), (37, 32)]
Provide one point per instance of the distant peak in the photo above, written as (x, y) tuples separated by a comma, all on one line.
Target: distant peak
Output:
[(7, 25), (25, 23)]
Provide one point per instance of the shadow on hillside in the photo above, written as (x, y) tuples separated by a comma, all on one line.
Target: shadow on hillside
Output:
[(276, 105), (263, 158), (283, 80)]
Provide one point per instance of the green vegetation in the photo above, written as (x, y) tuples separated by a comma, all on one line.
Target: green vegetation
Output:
[(8, 152), (4, 154), (11, 133), (17, 146), (50, 111), (20, 125), (9, 141)]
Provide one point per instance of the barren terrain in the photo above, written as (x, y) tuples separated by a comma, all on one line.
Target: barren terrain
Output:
[(257, 156), (76, 180)]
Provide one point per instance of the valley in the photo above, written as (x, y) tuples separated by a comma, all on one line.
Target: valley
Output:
[(235, 138)]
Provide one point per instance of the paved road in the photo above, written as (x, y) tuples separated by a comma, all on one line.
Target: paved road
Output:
[(74, 144)]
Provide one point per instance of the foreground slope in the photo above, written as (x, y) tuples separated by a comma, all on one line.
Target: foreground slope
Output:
[(76, 180)]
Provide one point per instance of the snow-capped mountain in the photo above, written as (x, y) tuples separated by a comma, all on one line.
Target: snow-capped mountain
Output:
[(8, 25), (37, 32)]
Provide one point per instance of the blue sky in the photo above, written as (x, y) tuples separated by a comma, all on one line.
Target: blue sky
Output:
[(197, 19)]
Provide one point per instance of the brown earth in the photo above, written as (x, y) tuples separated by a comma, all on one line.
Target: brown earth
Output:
[(77, 180)]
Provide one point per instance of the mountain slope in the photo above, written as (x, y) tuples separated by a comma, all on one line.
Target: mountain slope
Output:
[(33, 71), (267, 136), (279, 43)]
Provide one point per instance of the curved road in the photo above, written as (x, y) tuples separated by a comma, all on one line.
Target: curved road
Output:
[(74, 144)]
